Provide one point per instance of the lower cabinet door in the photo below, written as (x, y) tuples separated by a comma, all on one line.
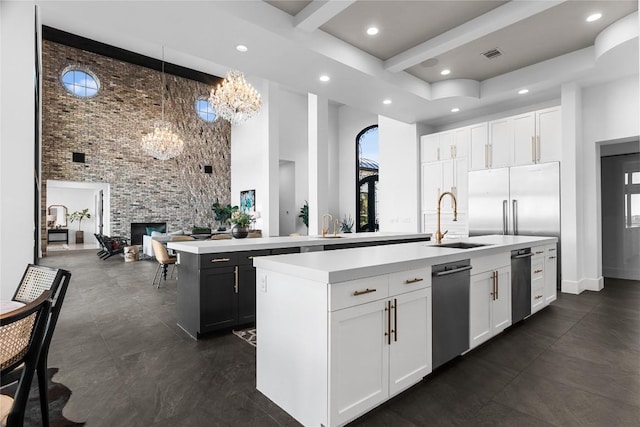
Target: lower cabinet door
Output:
[(359, 359), (501, 306), (480, 300), (246, 294), (410, 349), (218, 298), (550, 276)]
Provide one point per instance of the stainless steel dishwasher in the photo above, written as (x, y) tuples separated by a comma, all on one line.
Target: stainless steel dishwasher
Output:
[(520, 284), (450, 291)]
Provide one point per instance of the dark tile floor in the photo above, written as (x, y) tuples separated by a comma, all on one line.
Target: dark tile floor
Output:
[(117, 347)]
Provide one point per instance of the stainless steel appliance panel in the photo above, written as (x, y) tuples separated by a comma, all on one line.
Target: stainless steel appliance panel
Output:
[(520, 284), (535, 199), (489, 202)]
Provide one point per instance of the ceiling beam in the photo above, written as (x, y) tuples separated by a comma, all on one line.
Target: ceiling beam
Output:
[(318, 12), (492, 21)]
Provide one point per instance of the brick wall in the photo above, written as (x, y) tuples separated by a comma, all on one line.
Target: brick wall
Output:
[(108, 129)]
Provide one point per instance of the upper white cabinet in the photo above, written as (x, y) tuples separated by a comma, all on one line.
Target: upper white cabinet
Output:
[(447, 175), (478, 140), (429, 148), (537, 137), (447, 145), (499, 146)]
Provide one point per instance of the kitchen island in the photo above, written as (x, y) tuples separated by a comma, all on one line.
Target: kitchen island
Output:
[(216, 280), (341, 332)]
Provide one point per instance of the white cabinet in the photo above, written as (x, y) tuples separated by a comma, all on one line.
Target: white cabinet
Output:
[(551, 274), (537, 137), (448, 175), (537, 279), (499, 147), (377, 350), (478, 140), (489, 298), (429, 148), (446, 145)]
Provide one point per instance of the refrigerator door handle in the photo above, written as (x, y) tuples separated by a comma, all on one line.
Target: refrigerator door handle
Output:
[(514, 215), (505, 219)]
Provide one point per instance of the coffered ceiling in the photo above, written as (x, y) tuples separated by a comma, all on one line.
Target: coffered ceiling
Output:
[(542, 44)]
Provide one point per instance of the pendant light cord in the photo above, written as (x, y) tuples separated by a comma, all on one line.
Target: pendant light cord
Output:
[(163, 83)]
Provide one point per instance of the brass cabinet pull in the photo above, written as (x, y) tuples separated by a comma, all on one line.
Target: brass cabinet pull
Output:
[(539, 252), (395, 319), (490, 155), (438, 153), (538, 148), (409, 281), (250, 257), (221, 259), (533, 149), (366, 291), (493, 285), (235, 286), (497, 287), (486, 155), (388, 331), (538, 296), (552, 249), (537, 271), (552, 257)]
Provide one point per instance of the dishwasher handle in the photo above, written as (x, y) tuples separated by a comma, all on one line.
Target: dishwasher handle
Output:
[(452, 271), (523, 256)]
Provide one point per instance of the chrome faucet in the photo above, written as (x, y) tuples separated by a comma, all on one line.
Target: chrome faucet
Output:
[(325, 230), (439, 233)]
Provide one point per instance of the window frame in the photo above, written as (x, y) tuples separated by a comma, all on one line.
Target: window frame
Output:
[(82, 69)]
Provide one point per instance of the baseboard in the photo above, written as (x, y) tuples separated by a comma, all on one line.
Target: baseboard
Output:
[(576, 287), (619, 273)]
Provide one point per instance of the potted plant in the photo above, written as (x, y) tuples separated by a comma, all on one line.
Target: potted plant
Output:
[(79, 216), (346, 226), (222, 214), (304, 213), (240, 221)]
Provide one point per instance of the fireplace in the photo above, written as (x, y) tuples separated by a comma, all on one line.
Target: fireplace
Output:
[(139, 229)]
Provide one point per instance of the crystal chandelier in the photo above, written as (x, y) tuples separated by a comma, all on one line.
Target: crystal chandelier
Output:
[(162, 143), (234, 99)]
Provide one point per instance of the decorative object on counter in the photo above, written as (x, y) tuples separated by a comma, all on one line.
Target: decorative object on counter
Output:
[(248, 201), (346, 226), (240, 221), (304, 213), (222, 214), (200, 230), (79, 216), (162, 143), (234, 99)]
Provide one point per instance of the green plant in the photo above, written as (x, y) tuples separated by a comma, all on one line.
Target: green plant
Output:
[(304, 213), (223, 213), (346, 226), (79, 216), (241, 219)]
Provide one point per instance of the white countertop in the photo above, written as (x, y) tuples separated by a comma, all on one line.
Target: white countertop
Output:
[(349, 264), (234, 245)]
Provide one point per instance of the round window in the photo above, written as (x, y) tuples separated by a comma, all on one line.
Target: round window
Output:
[(205, 110), (79, 82)]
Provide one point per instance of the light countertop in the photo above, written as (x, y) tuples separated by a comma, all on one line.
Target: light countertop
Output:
[(349, 264), (234, 245)]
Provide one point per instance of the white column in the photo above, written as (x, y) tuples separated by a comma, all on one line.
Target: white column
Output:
[(272, 162), (17, 142), (318, 161), (571, 190)]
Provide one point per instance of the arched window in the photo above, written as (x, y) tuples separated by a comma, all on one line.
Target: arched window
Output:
[(367, 154), (80, 82), (205, 110)]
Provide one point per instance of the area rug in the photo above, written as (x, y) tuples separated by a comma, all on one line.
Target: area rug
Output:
[(59, 395), (249, 335)]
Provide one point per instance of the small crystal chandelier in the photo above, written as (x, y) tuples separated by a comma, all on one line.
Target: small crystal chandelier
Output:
[(234, 99), (162, 143)]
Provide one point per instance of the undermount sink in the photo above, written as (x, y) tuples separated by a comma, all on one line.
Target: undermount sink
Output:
[(462, 245)]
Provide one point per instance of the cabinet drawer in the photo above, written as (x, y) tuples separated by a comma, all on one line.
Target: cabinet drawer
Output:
[(490, 262), (355, 292), (246, 258), (225, 259), (410, 280)]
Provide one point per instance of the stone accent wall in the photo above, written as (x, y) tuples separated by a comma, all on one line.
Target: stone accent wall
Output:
[(108, 129)]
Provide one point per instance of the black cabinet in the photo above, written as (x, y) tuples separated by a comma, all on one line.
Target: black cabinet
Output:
[(218, 298)]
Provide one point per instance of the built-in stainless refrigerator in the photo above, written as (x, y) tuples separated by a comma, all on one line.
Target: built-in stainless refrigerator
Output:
[(518, 200)]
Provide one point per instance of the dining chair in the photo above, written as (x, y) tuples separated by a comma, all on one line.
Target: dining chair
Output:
[(22, 333), (164, 260), (223, 236), (36, 280)]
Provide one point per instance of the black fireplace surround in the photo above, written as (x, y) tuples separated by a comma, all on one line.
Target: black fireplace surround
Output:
[(139, 229)]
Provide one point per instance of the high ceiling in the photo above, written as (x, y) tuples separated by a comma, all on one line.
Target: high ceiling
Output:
[(542, 45)]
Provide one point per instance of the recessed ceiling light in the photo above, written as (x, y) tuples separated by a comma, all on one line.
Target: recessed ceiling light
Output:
[(445, 72), (372, 31), (523, 91), (386, 102), (455, 110), (324, 78), (594, 17), (242, 48)]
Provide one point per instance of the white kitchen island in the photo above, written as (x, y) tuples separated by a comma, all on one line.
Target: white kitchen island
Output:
[(341, 332)]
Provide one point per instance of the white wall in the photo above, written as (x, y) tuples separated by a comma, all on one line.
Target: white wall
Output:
[(75, 200), (350, 123), (294, 148), (398, 191), (17, 41), (609, 112)]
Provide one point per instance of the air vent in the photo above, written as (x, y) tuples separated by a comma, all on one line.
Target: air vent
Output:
[(493, 53)]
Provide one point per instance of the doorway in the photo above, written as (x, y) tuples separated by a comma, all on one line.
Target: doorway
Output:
[(287, 194), (620, 196)]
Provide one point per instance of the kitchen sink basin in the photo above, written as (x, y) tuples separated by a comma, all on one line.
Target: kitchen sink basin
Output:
[(461, 245)]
